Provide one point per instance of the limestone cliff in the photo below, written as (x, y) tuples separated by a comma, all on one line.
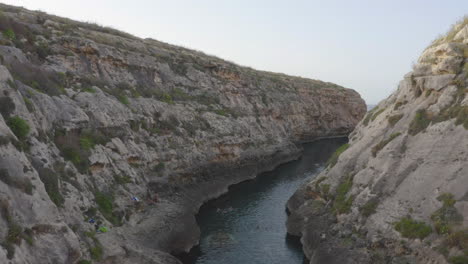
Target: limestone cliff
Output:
[(99, 128), (398, 193)]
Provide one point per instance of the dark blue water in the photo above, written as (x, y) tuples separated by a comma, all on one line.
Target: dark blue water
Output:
[(247, 225)]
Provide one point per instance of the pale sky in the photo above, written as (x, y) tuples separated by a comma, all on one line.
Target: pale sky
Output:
[(366, 45)]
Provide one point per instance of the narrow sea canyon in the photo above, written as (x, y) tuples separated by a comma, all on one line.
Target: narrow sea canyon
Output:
[(247, 225)]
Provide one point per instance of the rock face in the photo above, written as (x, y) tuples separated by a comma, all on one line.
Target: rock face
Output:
[(398, 193), (102, 129)]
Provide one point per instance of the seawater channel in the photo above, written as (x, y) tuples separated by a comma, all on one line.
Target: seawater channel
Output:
[(247, 225)]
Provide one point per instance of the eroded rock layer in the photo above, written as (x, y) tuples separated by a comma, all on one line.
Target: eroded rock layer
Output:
[(110, 143)]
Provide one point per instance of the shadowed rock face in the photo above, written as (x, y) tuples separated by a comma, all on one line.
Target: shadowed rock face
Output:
[(97, 124), (407, 158)]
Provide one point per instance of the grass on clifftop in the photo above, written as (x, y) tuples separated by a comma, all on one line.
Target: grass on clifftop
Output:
[(451, 33), (411, 228), (334, 158)]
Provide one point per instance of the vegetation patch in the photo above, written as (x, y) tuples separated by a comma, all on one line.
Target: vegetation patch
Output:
[(96, 250), (447, 216), (19, 127), (458, 260), (450, 35), (372, 115), (51, 183), (122, 179), (383, 143), (15, 233), (399, 104), (105, 204), (76, 145), (334, 158), (392, 120), (411, 228), (342, 203), (23, 183), (45, 81), (369, 208), (420, 122)]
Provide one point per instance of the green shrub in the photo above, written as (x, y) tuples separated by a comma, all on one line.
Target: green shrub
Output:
[(159, 167), (9, 34), (447, 216), (19, 127), (122, 179), (72, 155), (221, 112), (40, 79), (105, 204), (341, 204), (96, 252), (123, 99), (410, 228), (369, 208), (462, 117), (392, 120), (447, 199), (24, 184), (458, 239), (167, 98), (399, 104), (383, 143), (29, 105), (374, 116), (51, 183), (334, 157), (420, 122), (86, 143), (84, 261), (458, 260)]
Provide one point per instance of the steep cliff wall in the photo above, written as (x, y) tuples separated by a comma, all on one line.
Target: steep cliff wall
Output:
[(95, 123), (398, 193)]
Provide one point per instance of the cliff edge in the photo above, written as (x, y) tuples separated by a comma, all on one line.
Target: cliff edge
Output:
[(398, 192)]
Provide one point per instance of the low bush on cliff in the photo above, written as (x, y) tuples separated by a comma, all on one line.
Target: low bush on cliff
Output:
[(51, 183), (76, 145), (334, 158), (383, 143), (372, 115), (420, 122), (19, 127), (105, 204), (45, 81), (392, 120), (23, 183), (411, 228), (399, 104), (369, 208), (458, 260), (447, 216), (342, 203)]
